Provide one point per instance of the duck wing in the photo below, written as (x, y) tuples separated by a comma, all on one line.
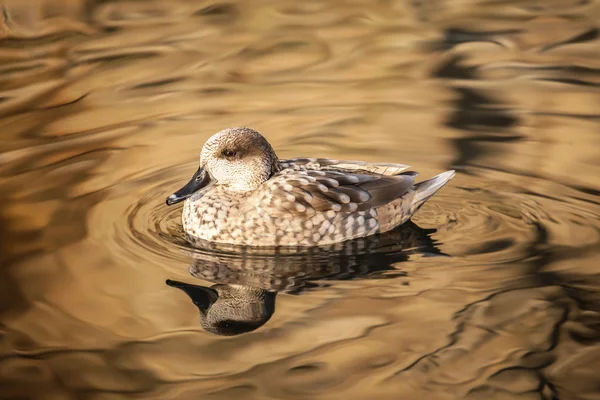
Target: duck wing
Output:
[(328, 164), (310, 191)]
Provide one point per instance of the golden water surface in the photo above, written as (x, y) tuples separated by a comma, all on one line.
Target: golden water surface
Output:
[(492, 293)]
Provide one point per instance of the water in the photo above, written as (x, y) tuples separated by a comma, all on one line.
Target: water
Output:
[(492, 292)]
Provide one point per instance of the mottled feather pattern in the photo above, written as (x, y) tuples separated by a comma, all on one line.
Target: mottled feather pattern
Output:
[(301, 205), (363, 167)]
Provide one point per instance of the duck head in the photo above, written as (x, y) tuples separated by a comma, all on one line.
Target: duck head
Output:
[(239, 158), (229, 310)]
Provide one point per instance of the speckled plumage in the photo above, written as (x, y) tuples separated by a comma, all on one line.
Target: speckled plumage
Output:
[(259, 200)]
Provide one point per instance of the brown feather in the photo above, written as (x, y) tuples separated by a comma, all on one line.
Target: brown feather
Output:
[(311, 190), (387, 189)]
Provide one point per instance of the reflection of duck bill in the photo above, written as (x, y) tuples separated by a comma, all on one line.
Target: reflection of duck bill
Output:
[(203, 297)]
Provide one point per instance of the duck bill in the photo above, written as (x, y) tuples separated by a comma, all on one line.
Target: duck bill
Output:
[(202, 297), (201, 179)]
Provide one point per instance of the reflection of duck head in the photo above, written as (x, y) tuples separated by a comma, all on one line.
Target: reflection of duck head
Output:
[(230, 309)]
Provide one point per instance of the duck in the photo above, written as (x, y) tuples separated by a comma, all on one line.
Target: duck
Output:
[(243, 194)]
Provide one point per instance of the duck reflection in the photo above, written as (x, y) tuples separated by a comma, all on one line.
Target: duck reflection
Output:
[(247, 280)]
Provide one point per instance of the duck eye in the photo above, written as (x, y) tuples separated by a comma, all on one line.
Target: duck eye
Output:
[(229, 153)]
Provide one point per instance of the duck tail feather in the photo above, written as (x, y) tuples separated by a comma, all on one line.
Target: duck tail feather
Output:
[(424, 190)]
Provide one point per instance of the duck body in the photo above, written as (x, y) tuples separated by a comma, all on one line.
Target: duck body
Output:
[(295, 202)]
